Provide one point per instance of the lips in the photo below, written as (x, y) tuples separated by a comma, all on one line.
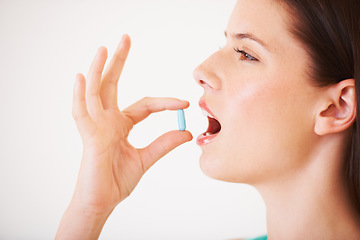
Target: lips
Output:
[(213, 128)]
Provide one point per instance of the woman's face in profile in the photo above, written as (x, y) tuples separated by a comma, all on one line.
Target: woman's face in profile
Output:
[(258, 88)]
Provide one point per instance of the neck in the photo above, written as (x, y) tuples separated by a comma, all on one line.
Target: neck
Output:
[(312, 203)]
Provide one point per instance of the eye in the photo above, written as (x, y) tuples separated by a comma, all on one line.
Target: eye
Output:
[(245, 56)]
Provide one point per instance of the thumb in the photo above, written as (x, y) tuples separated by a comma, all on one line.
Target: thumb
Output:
[(163, 145)]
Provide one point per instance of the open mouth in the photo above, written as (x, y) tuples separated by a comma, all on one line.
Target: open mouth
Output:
[(214, 126)]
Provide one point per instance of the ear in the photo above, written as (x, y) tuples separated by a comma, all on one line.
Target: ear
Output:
[(338, 113)]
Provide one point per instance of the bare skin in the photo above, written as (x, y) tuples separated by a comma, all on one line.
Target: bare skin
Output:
[(110, 167), (278, 133)]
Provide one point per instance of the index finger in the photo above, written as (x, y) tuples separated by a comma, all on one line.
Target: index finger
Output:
[(143, 108)]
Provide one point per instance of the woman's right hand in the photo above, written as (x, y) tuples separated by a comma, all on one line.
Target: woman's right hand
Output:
[(111, 167)]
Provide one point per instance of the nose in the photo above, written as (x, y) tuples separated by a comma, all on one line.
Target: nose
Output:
[(207, 74)]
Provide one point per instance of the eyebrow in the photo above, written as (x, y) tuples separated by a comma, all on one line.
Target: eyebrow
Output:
[(249, 36)]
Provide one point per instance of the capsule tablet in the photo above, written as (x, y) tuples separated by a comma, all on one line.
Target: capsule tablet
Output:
[(181, 119)]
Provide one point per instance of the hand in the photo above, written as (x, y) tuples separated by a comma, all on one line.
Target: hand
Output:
[(111, 167)]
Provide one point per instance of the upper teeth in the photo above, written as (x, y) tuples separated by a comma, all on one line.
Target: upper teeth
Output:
[(205, 113)]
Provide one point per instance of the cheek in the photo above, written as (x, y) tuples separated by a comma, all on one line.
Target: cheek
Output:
[(265, 126)]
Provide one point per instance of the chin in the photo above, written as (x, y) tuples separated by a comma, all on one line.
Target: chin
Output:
[(216, 168), (209, 167), (219, 168)]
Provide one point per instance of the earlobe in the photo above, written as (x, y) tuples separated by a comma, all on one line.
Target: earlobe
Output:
[(338, 112)]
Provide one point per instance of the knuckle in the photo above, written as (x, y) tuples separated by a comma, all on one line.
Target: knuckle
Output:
[(75, 115), (92, 93), (110, 81), (147, 102), (146, 99)]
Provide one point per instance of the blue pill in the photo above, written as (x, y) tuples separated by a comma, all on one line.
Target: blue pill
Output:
[(181, 120)]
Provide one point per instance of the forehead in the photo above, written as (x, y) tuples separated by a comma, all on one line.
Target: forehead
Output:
[(265, 19)]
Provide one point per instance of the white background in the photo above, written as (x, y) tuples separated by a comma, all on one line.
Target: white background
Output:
[(43, 44)]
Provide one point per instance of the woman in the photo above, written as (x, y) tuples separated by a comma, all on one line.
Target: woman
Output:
[(282, 98)]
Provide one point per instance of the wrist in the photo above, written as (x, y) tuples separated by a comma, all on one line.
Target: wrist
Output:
[(79, 222)]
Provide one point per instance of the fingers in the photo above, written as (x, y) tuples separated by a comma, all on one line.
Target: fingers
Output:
[(162, 146), (79, 109), (143, 108), (93, 82), (108, 89)]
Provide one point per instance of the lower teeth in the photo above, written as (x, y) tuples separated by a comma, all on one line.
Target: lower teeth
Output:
[(207, 134)]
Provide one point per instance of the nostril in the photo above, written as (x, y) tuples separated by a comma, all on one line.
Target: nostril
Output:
[(205, 84), (206, 77)]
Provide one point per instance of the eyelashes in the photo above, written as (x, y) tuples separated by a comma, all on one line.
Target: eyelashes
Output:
[(245, 56)]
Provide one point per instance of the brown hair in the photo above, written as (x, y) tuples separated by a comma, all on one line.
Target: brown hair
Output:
[(330, 32)]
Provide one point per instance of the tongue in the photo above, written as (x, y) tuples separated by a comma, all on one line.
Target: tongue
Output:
[(214, 126)]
